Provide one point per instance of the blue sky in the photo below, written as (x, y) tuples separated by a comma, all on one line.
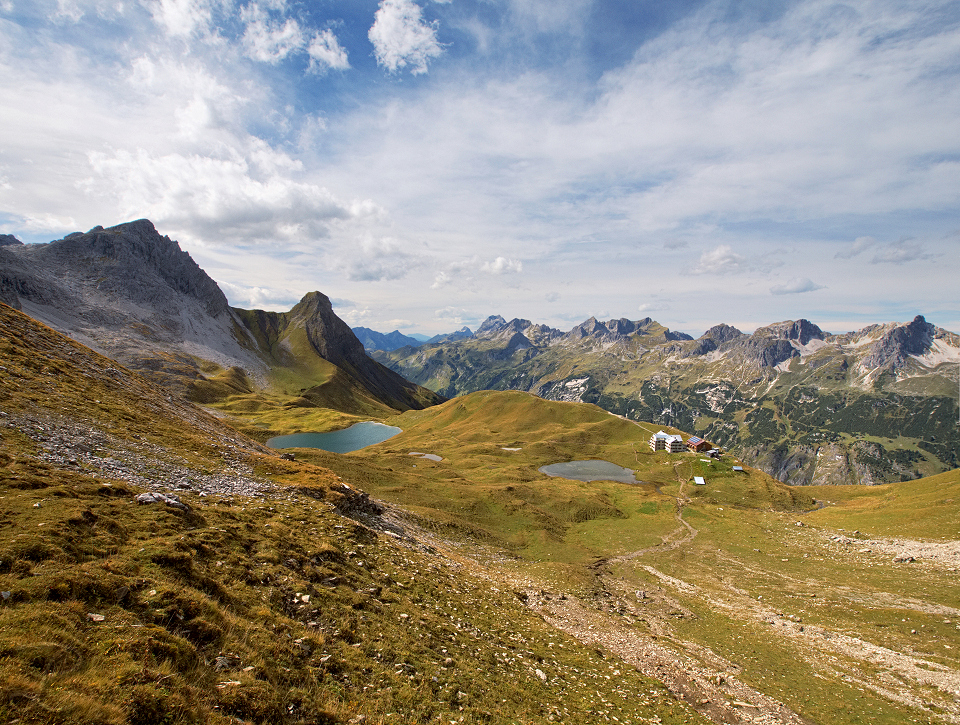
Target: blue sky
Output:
[(426, 163)]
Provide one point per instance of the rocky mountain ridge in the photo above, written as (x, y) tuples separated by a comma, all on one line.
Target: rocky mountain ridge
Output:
[(373, 340), (805, 405), (134, 295)]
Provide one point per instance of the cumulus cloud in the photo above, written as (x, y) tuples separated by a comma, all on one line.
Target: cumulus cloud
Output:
[(356, 317), (465, 270), (252, 297), (502, 265), (657, 306), (721, 260), (451, 315), (265, 39), (182, 18), (399, 324), (401, 37), (66, 9), (326, 53), (244, 195), (796, 285), (859, 245)]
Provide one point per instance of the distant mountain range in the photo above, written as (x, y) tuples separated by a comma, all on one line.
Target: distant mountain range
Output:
[(373, 340), (806, 406), (135, 296)]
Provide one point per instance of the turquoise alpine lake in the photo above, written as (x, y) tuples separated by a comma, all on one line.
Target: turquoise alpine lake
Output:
[(590, 471), (357, 436)]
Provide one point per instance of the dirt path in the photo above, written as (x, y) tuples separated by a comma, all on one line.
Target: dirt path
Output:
[(638, 627)]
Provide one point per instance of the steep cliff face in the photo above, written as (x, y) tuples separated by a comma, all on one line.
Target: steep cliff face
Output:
[(131, 261), (896, 346), (132, 294)]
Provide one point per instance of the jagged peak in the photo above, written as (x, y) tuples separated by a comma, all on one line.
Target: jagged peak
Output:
[(802, 330), (898, 343), (492, 324), (312, 302), (721, 333), (8, 240), (136, 251)]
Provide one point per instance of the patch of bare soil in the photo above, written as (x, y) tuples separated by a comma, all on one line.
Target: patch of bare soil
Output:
[(691, 672), (942, 554)]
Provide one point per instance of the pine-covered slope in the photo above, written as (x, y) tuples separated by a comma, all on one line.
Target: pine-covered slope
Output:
[(806, 406)]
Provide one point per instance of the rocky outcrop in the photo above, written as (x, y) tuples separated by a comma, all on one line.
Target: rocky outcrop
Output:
[(711, 340), (721, 333), (491, 325), (463, 333), (895, 347), (803, 331), (135, 261), (8, 240)]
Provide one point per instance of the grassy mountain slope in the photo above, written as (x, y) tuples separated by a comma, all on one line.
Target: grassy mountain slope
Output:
[(807, 407), (496, 594), (837, 602), (258, 601)]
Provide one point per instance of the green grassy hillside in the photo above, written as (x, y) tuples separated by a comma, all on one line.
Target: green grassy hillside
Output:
[(794, 592), (478, 590), (258, 600)]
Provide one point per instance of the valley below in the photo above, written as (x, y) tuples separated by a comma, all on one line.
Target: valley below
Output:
[(808, 407)]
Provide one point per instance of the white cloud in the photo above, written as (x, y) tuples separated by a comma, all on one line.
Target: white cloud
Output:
[(182, 18), (721, 260), (860, 244), (256, 298), (265, 39), (463, 272), (67, 9), (795, 285), (356, 317), (902, 252), (451, 315), (502, 265), (245, 195), (379, 258), (653, 307), (326, 53), (399, 324), (401, 37)]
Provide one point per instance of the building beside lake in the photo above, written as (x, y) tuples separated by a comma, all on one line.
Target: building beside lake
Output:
[(661, 441)]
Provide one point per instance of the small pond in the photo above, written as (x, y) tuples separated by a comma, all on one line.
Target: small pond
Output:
[(357, 436), (590, 471)]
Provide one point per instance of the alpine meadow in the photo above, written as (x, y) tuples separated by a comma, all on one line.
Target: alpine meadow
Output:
[(479, 362)]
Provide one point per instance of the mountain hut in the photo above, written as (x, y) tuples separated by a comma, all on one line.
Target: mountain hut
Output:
[(661, 441)]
